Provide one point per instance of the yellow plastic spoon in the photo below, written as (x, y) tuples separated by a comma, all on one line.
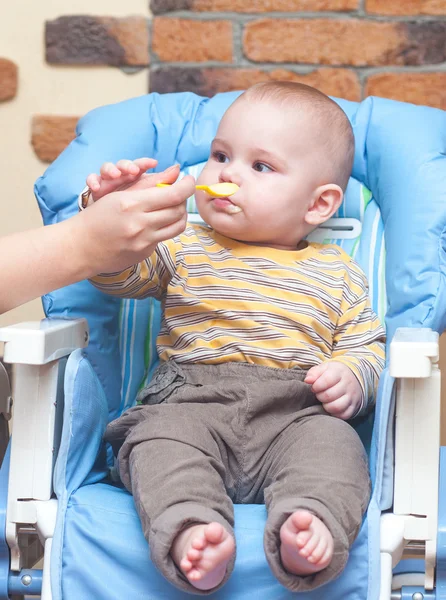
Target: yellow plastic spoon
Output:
[(216, 190)]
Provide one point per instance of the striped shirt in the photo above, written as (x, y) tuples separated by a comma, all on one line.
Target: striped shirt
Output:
[(224, 300)]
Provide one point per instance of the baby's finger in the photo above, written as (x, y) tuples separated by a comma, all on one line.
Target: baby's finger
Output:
[(327, 380), (332, 393), (110, 171), (347, 414), (337, 407), (94, 182), (315, 372), (128, 167), (145, 163)]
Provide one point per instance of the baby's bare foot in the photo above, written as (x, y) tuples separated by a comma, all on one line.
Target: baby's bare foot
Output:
[(307, 544), (202, 552)]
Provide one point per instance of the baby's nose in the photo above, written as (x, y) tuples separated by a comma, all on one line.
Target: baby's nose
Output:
[(230, 174)]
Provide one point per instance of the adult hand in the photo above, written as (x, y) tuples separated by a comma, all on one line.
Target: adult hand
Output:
[(125, 174), (108, 236), (125, 227)]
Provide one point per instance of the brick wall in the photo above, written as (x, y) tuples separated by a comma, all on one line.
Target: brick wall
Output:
[(346, 48), (8, 79)]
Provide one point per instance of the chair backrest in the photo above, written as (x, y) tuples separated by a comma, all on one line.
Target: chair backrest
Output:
[(400, 157)]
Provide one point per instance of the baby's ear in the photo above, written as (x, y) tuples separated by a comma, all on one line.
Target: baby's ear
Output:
[(325, 202)]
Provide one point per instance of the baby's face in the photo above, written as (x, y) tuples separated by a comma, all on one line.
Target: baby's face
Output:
[(271, 153)]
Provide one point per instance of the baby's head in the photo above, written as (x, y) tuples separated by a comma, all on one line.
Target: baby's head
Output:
[(290, 150)]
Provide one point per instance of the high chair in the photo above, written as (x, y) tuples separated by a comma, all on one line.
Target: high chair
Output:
[(85, 363)]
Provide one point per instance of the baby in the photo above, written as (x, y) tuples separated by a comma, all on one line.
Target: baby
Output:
[(268, 345)]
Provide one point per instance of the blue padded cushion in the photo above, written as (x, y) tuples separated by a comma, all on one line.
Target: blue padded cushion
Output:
[(103, 529), (98, 548)]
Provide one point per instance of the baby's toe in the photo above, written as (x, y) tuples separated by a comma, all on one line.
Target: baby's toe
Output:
[(193, 554), (301, 519), (327, 555), (194, 575), (185, 565), (214, 533), (318, 552), (310, 545), (198, 543), (302, 538)]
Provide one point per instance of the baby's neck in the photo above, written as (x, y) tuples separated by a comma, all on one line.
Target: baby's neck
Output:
[(300, 246)]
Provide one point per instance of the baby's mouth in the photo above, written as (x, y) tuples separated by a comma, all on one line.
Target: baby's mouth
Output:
[(226, 205)]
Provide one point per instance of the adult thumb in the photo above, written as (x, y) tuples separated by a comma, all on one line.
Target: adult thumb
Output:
[(150, 180), (169, 175)]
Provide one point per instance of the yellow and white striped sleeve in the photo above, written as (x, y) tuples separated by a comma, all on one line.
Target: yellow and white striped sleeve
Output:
[(359, 340), (150, 277)]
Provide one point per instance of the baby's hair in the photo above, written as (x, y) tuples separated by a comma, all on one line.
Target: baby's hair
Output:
[(328, 116)]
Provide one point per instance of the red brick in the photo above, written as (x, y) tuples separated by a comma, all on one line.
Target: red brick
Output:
[(406, 7), (8, 79), (345, 42), (418, 88), (159, 7), (51, 134), (87, 40), (253, 6), (188, 40), (132, 34)]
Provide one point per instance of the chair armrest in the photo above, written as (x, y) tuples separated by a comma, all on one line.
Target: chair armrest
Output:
[(40, 342), (38, 350), (414, 356), (413, 351)]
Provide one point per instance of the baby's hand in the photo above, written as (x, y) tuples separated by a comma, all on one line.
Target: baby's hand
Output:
[(337, 387), (119, 176)]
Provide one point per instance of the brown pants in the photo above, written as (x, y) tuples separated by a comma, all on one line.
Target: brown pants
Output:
[(212, 435)]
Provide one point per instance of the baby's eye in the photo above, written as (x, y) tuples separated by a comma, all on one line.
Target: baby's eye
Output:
[(261, 167), (220, 156)]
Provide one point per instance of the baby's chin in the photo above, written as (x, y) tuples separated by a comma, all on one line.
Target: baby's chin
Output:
[(218, 225), (231, 232)]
